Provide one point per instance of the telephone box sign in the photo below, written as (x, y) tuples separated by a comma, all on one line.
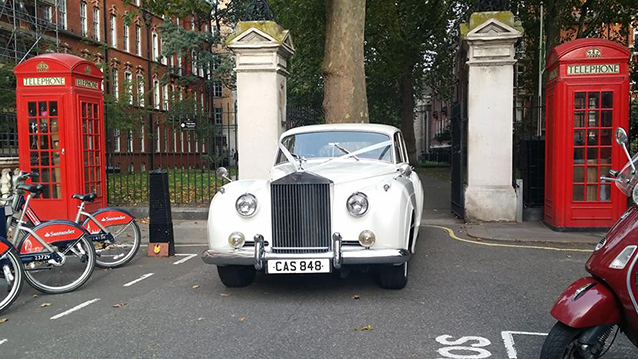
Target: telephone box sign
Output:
[(86, 83), (587, 98), (60, 110), (43, 81), (593, 69)]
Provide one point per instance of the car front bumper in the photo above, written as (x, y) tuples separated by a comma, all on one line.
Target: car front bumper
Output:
[(258, 255)]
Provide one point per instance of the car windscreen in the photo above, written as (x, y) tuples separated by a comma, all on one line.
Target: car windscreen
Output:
[(332, 144)]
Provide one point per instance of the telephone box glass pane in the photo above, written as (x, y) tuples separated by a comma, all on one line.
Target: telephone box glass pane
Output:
[(607, 100), (605, 118), (579, 192), (90, 151), (579, 100), (579, 138), (605, 193), (579, 174), (592, 156), (579, 155), (605, 155), (605, 137), (579, 119), (593, 100), (592, 193), (592, 117), (592, 138)]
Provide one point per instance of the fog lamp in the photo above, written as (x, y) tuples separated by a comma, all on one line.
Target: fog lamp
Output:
[(236, 240), (367, 238)]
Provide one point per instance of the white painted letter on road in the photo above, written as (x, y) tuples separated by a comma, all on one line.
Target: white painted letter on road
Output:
[(463, 348)]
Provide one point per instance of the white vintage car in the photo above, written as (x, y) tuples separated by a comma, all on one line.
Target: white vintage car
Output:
[(338, 196)]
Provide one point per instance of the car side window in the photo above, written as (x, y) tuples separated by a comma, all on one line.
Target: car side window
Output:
[(398, 150), (404, 148)]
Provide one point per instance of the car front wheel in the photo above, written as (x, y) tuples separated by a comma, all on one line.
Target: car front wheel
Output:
[(393, 277), (236, 276)]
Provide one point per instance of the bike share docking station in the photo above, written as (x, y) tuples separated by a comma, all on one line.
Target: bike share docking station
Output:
[(161, 238)]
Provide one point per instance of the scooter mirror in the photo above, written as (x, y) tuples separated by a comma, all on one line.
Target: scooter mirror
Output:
[(621, 136)]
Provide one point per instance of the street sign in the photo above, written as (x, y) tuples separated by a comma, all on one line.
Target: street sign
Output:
[(188, 125)]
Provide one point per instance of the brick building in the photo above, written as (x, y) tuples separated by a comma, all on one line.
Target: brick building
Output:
[(130, 54)]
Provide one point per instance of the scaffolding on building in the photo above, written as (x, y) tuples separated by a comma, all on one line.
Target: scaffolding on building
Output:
[(26, 27)]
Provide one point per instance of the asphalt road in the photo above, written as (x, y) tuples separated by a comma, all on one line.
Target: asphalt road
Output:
[(458, 295)]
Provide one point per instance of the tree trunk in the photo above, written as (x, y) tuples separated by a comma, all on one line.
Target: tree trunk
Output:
[(552, 27), (406, 92), (343, 72)]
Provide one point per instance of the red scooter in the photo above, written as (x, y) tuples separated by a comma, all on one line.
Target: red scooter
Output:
[(592, 310)]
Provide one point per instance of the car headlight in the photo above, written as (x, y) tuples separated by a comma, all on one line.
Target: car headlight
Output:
[(357, 204), (367, 238), (246, 205)]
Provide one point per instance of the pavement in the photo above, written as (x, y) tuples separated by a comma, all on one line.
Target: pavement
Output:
[(436, 211)]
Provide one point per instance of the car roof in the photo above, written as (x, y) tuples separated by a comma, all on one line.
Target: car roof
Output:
[(362, 127)]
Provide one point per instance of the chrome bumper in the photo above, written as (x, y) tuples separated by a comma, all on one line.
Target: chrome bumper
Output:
[(258, 256)]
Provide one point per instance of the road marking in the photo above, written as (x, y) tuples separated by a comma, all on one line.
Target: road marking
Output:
[(187, 257), (138, 279), (453, 236), (508, 340), (463, 344), (3, 341), (78, 307)]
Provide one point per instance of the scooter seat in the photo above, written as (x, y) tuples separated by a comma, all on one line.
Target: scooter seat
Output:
[(33, 188), (89, 197)]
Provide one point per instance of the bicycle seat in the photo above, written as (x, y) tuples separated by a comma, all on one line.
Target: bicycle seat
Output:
[(33, 188), (89, 197)]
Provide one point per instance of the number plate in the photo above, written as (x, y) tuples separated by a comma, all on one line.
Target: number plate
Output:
[(286, 266)]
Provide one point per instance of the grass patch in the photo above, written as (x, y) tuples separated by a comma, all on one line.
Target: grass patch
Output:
[(185, 186)]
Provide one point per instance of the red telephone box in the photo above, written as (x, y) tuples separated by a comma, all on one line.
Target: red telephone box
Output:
[(587, 97), (61, 131)]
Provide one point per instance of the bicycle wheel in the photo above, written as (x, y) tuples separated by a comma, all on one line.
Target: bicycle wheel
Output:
[(125, 244), (49, 276), (11, 278)]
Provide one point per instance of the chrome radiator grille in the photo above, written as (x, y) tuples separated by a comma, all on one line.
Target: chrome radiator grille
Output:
[(301, 214)]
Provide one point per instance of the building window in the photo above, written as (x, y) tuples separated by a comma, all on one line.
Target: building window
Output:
[(62, 10), (158, 141), (179, 64), (96, 24), (137, 2), (115, 86), (113, 31), (156, 94), (163, 58), (129, 143), (140, 90), (155, 46), (181, 93), (174, 141), (138, 40), (125, 37), (83, 24), (217, 89), (165, 96), (116, 141), (181, 142), (218, 115), (48, 14), (128, 86), (194, 63), (143, 138)]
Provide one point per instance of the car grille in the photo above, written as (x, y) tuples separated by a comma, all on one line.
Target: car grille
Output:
[(301, 214)]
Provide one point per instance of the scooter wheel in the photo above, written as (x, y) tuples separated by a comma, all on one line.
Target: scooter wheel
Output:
[(561, 342)]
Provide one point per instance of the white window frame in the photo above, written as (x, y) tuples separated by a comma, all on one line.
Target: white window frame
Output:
[(165, 98), (218, 116), (217, 89), (48, 14), (193, 63), (140, 90), (182, 142), (156, 95), (84, 26), (179, 63), (96, 24), (155, 46), (125, 37), (128, 83), (158, 140), (115, 86), (174, 141), (129, 143), (117, 146), (62, 13), (162, 58), (113, 27), (138, 40), (143, 138)]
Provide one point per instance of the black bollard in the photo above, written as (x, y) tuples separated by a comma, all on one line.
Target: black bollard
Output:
[(161, 222)]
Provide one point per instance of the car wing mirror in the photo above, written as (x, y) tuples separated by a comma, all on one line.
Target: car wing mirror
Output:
[(223, 173), (405, 169)]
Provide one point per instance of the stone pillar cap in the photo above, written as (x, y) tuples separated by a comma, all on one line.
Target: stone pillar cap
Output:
[(261, 34)]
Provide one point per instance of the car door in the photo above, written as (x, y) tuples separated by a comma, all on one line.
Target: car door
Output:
[(417, 189)]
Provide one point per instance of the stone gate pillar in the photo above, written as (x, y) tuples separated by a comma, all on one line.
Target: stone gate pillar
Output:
[(490, 39), (262, 49)]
